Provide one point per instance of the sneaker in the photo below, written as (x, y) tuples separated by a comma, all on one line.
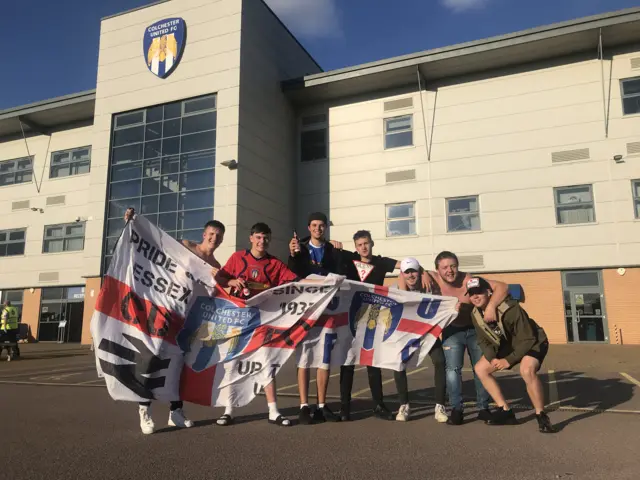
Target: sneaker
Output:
[(502, 417), (177, 419), (325, 414), (146, 422), (485, 415), (403, 413), (440, 414), (456, 418), (382, 412), (304, 417), (544, 424), (345, 413)]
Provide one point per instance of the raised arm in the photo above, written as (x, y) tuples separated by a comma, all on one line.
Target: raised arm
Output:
[(500, 293)]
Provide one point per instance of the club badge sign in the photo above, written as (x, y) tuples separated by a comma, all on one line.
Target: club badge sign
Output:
[(163, 44)]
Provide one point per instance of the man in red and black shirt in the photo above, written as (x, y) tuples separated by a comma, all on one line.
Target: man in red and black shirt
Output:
[(249, 272), (363, 266)]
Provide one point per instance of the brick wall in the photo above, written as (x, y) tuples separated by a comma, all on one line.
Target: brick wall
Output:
[(93, 284), (622, 305), (31, 309)]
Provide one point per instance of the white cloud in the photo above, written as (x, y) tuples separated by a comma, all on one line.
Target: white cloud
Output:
[(309, 18), (463, 5)]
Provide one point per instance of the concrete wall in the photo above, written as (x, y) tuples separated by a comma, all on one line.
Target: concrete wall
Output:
[(493, 136), (267, 138), (24, 270), (210, 64)]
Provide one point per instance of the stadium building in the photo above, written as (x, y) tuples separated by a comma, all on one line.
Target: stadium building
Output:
[(521, 153)]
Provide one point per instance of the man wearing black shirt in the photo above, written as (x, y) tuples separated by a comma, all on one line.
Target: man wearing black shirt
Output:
[(314, 255), (363, 266)]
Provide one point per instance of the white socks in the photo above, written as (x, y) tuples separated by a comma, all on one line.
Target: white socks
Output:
[(273, 411), (321, 405), (302, 405), (228, 411)]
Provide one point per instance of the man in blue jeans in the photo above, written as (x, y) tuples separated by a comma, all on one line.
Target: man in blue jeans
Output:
[(460, 334)]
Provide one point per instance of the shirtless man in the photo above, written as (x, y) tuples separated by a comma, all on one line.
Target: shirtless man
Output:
[(447, 280), (212, 236)]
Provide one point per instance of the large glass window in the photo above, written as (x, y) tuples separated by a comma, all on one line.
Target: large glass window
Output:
[(19, 170), (66, 237), (574, 205), (15, 297), (630, 95), (66, 163), (12, 242), (163, 165)]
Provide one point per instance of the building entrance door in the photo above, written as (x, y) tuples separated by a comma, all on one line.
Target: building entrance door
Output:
[(584, 307)]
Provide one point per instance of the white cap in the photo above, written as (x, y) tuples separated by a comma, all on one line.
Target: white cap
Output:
[(409, 263)]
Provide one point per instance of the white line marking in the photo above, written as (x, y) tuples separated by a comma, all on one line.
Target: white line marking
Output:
[(364, 390), (553, 387), (314, 380), (630, 378)]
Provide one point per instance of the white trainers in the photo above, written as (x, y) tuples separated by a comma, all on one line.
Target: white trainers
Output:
[(146, 422), (403, 413), (440, 414), (177, 419)]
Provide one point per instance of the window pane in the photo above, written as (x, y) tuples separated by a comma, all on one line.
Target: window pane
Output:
[(128, 135), (193, 235), (169, 183), (173, 110), (197, 180), (126, 171), (401, 227), (118, 208), (125, 189), (167, 221), (7, 179), (60, 157), (199, 123), (23, 177), (81, 154), (463, 223), (577, 214), (171, 146), (313, 145), (398, 124), (171, 128), (130, 153), (636, 189), (75, 230), (3, 236), (631, 87), (637, 203), (81, 167), (196, 199), (74, 244), (197, 161), (149, 205), (3, 250), (169, 203), (19, 235), (60, 171), (15, 249), (198, 104), (53, 246), (198, 141), (150, 186), (400, 211), (570, 195), (170, 165), (111, 244), (74, 292), (7, 166), (395, 140), (52, 293), (194, 219), (115, 226), (631, 105), (153, 131), (129, 118), (152, 149), (462, 205), (582, 279), (53, 232), (154, 114)]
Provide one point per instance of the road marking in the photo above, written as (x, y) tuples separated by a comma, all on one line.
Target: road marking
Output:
[(314, 380), (40, 371), (630, 378), (55, 377), (91, 381), (364, 390), (46, 384), (553, 387)]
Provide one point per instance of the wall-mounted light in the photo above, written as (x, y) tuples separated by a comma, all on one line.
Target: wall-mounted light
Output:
[(36, 209), (618, 159), (230, 164)]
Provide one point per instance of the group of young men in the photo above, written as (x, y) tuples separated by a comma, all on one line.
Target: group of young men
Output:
[(493, 328)]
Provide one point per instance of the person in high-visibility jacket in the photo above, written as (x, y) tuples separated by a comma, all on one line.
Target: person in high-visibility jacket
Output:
[(9, 327)]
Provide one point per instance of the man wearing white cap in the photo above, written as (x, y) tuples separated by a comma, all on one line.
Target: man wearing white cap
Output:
[(411, 273)]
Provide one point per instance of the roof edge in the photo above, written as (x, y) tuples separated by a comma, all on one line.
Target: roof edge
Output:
[(134, 9), (50, 103)]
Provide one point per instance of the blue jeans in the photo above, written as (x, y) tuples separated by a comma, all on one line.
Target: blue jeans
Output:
[(454, 342)]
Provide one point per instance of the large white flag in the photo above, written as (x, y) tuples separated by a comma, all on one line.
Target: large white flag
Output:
[(375, 326)]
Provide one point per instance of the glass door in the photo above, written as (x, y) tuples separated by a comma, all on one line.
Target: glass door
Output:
[(584, 307)]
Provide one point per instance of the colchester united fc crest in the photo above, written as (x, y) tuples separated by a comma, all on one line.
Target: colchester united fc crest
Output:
[(374, 311), (163, 45)]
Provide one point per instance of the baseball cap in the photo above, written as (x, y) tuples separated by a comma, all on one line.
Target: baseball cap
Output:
[(477, 285), (409, 263)]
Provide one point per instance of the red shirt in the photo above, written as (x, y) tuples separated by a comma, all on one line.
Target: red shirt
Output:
[(259, 273)]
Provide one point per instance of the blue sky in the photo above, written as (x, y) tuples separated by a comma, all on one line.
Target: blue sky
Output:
[(51, 48)]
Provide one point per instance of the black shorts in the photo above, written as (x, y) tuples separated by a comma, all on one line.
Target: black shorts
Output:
[(540, 356)]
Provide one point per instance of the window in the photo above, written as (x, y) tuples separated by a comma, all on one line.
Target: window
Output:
[(16, 299), (635, 185), (68, 237), (70, 162), (13, 172), (630, 95), (398, 132), (401, 219), (12, 242), (574, 205), (313, 138), (463, 214), (162, 163)]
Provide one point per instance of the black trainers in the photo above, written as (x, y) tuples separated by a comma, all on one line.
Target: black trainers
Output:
[(304, 417), (345, 413), (485, 415), (382, 412), (456, 417), (502, 417), (324, 414), (544, 424)]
